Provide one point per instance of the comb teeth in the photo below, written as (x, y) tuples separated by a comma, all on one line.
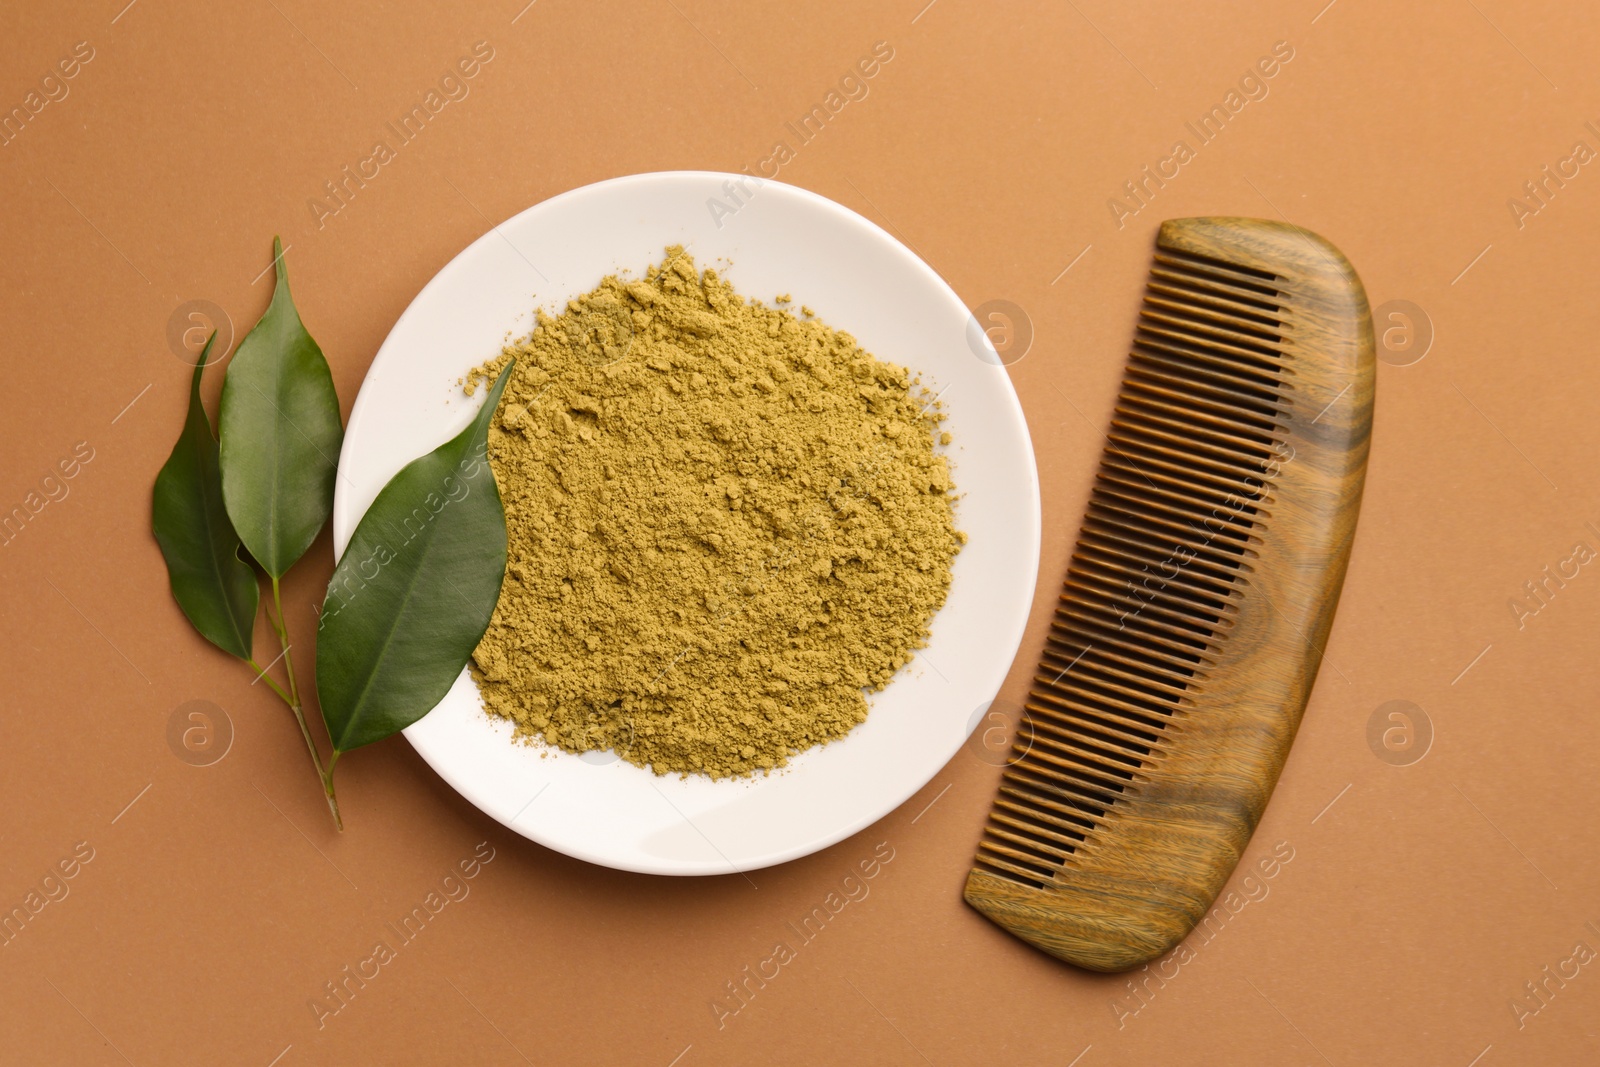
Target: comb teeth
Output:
[(1164, 554)]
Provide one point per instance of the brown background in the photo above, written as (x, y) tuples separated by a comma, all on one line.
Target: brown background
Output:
[(1420, 898)]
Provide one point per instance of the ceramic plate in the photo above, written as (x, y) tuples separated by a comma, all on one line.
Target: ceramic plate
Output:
[(768, 240)]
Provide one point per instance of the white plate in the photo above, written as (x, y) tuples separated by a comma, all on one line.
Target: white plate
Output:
[(778, 239)]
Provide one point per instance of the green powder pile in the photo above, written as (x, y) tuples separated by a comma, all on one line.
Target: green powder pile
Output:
[(726, 522)]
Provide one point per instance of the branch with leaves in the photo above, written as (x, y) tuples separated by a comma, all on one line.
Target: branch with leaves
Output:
[(416, 586)]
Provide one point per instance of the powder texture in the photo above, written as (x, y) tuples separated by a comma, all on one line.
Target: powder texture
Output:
[(726, 522)]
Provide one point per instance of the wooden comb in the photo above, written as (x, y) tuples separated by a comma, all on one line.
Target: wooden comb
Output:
[(1198, 600)]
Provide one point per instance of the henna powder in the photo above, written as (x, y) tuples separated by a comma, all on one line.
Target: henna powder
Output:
[(727, 524)]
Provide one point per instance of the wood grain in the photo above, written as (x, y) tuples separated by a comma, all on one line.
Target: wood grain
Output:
[(1198, 600)]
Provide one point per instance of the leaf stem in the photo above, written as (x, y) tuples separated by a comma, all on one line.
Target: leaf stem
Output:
[(327, 789), (325, 774), (333, 800), (261, 672), (282, 626)]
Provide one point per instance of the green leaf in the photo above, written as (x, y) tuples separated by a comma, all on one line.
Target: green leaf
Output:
[(280, 434), (414, 591), (213, 586)]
